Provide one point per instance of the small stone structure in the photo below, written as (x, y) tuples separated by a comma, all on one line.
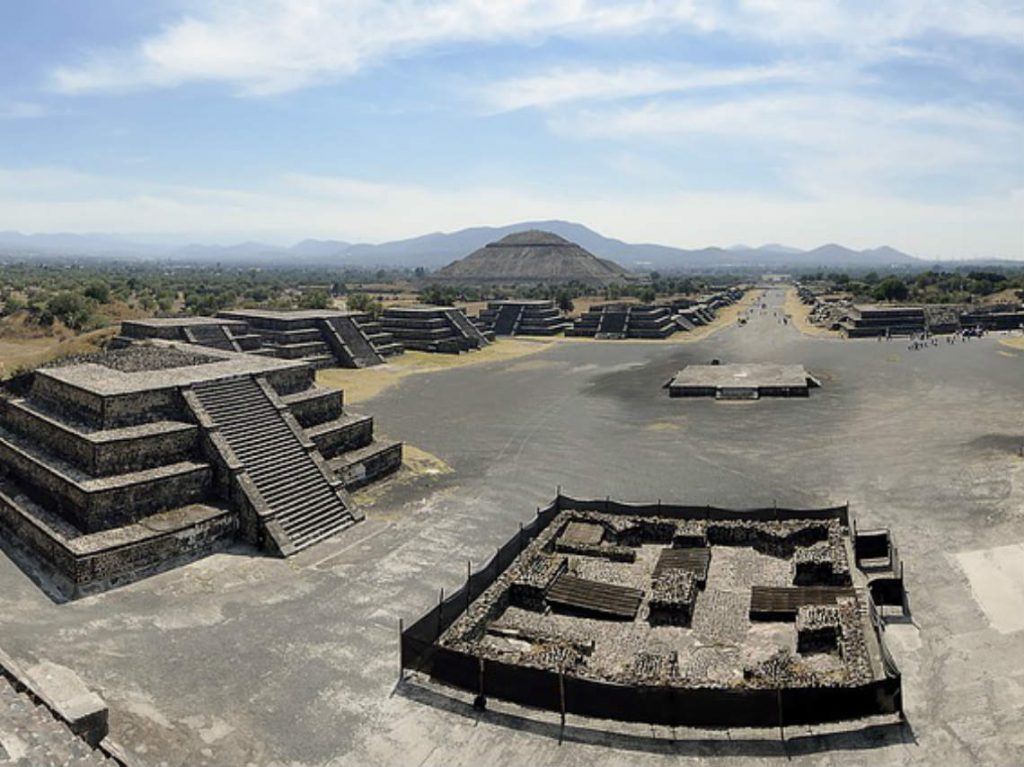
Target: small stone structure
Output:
[(679, 623), (618, 320), (434, 329), (869, 321), (49, 717), (741, 381), (522, 317), (321, 338), (122, 463)]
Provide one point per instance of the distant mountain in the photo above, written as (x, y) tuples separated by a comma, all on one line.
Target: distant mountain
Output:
[(533, 256), (320, 248), (437, 249)]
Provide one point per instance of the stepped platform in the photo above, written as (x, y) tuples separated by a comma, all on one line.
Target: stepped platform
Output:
[(213, 332), (523, 317), (871, 321), (742, 381), (442, 329), (127, 462), (323, 338), (621, 321)]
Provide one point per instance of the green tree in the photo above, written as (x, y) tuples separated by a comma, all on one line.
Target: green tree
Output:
[(891, 289), (98, 291), (315, 299), (70, 308), (363, 302)]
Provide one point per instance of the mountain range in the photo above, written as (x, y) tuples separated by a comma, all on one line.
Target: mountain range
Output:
[(435, 250)]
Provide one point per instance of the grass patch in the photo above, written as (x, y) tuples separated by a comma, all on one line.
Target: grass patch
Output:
[(366, 383)]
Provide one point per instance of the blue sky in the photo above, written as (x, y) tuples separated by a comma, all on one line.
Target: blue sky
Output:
[(684, 123)]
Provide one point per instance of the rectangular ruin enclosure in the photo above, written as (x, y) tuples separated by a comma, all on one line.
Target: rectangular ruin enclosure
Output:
[(742, 381), (671, 614)]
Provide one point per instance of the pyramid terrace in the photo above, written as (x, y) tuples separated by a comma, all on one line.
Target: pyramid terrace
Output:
[(127, 462)]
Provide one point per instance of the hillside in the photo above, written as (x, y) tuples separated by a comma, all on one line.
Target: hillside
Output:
[(532, 256)]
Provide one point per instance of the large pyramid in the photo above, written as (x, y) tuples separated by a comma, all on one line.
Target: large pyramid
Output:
[(532, 257)]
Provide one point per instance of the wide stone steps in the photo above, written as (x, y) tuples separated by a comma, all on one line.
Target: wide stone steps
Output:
[(302, 500), (30, 736)]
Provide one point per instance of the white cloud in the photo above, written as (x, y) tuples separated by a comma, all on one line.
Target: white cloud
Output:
[(819, 142), (53, 199), (270, 46), (568, 84)]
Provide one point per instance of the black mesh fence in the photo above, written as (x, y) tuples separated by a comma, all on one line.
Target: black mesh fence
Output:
[(670, 706)]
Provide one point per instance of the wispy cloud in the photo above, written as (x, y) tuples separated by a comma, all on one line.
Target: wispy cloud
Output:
[(263, 47), (824, 141), (563, 85)]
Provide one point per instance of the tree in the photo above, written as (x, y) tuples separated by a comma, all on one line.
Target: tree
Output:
[(363, 302), (891, 289), (70, 308), (98, 291), (315, 299), (565, 301), (647, 295)]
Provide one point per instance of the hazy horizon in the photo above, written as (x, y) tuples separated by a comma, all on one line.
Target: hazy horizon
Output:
[(650, 122)]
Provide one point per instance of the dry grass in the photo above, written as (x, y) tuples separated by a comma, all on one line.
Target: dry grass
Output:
[(1017, 342), (799, 313), (26, 346), (1008, 296), (366, 383)]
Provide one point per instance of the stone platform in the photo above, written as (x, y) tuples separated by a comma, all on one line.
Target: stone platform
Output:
[(444, 329), (125, 463), (741, 381), (522, 317)]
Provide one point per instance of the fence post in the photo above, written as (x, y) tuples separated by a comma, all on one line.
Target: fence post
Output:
[(782, 731), (480, 702), (401, 652), (440, 613), (469, 577), (561, 694)]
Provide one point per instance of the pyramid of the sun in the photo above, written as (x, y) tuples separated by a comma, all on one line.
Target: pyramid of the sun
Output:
[(532, 257)]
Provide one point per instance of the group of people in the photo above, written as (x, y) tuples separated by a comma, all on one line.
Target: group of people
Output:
[(924, 340)]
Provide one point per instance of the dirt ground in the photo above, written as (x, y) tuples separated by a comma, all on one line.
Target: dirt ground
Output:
[(242, 659), (799, 313)]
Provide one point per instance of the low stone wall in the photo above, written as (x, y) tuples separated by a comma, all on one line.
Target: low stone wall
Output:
[(86, 565), (369, 464), (350, 435), (324, 405)]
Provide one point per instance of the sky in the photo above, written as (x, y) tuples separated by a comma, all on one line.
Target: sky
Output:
[(678, 122)]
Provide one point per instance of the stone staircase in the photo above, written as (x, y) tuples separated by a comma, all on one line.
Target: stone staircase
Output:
[(458, 318), (507, 319), (346, 337), (300, 497), (613, 324), (30, 735)]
